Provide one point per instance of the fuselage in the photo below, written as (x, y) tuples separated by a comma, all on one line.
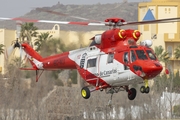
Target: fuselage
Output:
[(114, 59)]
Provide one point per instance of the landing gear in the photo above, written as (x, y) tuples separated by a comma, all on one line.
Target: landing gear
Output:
[(145, 89), (132, 94), (85, 92)]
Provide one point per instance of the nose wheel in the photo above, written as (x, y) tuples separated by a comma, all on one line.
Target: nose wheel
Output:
[(145, 89)]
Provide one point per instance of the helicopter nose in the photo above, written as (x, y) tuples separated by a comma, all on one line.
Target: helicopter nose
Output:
[(152, 69), (148, 69)]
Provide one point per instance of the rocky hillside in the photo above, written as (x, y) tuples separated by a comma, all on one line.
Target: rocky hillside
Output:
[(100, 12)]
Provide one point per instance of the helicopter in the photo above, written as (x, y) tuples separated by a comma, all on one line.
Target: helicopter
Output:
[(112, 62)]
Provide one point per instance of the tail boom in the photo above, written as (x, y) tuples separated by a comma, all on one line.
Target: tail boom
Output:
[(60, 61)]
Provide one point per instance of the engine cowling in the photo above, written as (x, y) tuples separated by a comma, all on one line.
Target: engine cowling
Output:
[(147, 43), (97, 39)]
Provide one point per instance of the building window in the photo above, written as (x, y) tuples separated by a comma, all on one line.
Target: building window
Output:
[(169, 10), (56, 27), (146, 27), (165, 10), (169, 50)]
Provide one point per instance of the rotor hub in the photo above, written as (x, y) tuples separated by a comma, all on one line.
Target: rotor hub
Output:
[(114, 22)]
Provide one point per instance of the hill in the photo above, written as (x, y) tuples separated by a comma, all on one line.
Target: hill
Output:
[(127, 11)]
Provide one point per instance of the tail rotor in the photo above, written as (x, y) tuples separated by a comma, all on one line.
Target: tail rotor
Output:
[(15, 51)]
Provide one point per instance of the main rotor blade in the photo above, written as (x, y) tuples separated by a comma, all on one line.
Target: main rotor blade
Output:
[(168, 20), (63, 14), (55, 22)]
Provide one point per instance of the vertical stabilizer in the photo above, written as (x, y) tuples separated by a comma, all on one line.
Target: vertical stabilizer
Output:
[(34, 58)]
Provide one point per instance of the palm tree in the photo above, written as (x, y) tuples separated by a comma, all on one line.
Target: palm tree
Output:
[(28, 30), (162, 55), (41, 40), (177, 52), (1, 49), (55, 45)]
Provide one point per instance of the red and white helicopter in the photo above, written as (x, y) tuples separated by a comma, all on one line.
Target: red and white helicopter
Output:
[(113, 61)]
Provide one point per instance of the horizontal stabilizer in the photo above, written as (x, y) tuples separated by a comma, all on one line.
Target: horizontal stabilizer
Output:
[(28, 69)]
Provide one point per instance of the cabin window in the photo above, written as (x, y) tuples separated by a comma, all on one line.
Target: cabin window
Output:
[(110, 58), (133, 56), (151, 55), (91, 62), (141, 54)]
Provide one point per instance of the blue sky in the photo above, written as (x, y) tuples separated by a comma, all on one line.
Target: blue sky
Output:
[(16, 8)]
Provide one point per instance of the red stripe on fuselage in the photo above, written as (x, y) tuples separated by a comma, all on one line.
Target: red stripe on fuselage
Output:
[(93, 80)]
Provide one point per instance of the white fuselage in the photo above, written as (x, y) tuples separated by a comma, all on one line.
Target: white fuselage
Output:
[(103, 66)]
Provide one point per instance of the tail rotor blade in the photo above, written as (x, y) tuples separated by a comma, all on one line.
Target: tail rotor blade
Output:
[(9, 51), (20, 53)]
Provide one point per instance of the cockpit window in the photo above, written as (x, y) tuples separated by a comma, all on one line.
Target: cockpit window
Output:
[(126, 60), (133, 56), (151, 55), (141, 54)]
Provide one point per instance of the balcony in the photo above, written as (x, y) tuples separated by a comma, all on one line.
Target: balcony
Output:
[(171, 37)]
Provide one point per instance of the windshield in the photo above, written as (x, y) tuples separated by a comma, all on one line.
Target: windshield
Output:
[(141, 54), (151, 55)]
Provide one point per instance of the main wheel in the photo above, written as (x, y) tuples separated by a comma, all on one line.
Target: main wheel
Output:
[(142, 89), (85, 92), (132, 94)]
